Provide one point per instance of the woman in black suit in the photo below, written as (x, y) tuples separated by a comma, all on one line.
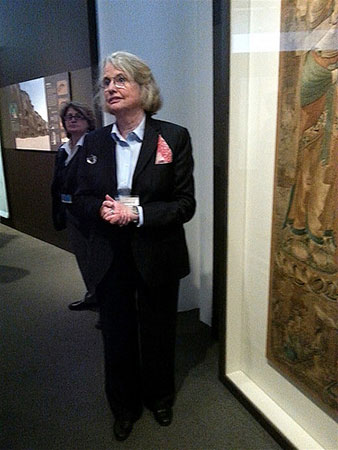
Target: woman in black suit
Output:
[(136, 191), (77, 120)]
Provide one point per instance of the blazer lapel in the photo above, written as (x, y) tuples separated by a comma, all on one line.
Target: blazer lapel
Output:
[(149, 146), (108, 151)]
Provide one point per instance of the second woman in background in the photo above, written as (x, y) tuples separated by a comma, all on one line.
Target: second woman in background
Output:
[(77, 119)]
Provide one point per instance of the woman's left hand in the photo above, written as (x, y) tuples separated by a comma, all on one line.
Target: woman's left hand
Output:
[(116, 213)]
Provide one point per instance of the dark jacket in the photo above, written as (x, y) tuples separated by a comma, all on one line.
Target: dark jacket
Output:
[(166, 193), (64, 182)]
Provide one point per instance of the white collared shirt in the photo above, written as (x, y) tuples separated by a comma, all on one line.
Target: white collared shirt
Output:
[(71, 152), (127, 152)]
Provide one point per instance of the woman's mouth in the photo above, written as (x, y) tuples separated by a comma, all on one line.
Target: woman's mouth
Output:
[(113, 100)]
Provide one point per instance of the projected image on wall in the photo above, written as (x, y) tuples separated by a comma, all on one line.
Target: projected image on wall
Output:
[(33, 107), (29, 115)]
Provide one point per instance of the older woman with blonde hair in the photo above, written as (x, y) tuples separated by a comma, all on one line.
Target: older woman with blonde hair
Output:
[(136, 190)]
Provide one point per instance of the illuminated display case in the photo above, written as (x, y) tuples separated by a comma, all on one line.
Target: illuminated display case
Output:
[(255, 129)]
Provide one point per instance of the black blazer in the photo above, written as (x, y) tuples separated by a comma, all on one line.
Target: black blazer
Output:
[(64, 182), (166, 193)]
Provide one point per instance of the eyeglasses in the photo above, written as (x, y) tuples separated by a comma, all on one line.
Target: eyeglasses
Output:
[(119, 82), (76, 116)]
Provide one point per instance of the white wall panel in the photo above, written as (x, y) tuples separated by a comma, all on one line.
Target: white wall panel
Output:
[(175, 38), (3, 195)]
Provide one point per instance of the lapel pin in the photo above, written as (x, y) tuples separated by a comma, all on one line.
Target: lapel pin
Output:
[(92, 159)]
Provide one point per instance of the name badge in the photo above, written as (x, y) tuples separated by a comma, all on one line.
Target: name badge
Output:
[(66, 198), (129, 200)]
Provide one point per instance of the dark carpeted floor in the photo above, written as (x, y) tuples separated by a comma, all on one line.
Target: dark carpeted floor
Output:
[(52, 393)]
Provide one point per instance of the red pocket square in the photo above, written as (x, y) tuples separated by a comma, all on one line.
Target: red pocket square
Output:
[(164, 155)]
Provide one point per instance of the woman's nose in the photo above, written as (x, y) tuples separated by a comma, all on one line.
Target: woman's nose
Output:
[(112, 86)]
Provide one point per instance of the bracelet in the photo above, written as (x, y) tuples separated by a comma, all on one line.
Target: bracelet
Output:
[(135, 211)]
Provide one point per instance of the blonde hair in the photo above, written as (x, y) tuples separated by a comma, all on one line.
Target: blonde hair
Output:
[(138, 71)]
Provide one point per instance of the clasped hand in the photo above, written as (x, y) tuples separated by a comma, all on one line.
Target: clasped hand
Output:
[(116, 213)]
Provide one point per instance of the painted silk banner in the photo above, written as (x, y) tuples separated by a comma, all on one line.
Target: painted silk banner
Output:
[(303, 316)]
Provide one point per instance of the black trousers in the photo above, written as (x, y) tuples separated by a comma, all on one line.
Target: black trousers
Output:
[(139, 329), (80, 246)]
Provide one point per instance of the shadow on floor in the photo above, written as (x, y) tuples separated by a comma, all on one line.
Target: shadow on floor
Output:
[(192, 342), (9, 274), (6, 238)]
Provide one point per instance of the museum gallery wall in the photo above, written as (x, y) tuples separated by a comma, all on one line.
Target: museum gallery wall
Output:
[(34, 49), (302, 339)]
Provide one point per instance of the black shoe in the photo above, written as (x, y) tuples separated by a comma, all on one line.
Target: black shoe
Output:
[(82, 305), (163, 416), (122, 429)]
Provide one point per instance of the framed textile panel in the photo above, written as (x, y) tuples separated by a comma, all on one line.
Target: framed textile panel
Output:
[(303, 314)]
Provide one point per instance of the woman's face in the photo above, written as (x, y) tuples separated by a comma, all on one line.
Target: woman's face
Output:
[(75, 123), (124, 98)]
